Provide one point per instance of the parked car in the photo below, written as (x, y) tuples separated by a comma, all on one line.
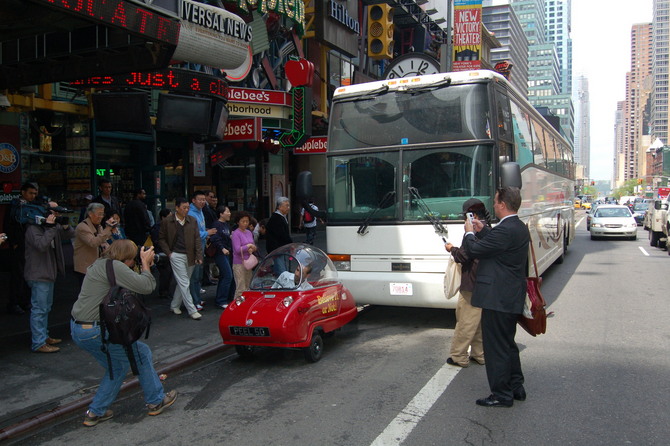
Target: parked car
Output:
[(294, 299), (613, 220)]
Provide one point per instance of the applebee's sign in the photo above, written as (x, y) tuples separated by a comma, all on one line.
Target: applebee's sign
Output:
[(248, 129), (317, 144)]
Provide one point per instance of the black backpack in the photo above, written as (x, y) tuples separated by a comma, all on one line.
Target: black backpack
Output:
[(123, 319)]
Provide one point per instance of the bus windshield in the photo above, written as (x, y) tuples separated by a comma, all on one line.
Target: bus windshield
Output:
[(366, 184), (449, 113)]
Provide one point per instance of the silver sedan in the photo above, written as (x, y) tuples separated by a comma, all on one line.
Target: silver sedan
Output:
[(613, 221)]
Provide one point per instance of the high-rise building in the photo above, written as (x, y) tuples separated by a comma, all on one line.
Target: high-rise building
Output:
[(660, 68), (635, 123), (583, 127), (503, 22), (558, 24), (544, 67), (619, 137)]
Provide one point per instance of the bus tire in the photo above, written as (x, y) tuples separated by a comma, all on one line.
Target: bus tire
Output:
[(561, 258)]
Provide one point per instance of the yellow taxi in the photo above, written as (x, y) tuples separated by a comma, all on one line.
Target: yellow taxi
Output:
[(586, 205), (578, 203)]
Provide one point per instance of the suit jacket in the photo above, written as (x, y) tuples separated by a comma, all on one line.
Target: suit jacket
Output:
[(44, 252), (87, 241), (168, 235), (136, 221), (501, 273), (277, 232)]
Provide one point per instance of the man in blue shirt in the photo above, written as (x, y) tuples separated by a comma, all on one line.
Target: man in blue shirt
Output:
[(198, 202)]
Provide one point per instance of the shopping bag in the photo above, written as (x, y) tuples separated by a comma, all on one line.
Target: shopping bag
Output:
[(534, 317), (452, 278)]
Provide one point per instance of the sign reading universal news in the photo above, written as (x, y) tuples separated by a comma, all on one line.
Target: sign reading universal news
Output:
[(259, 103)]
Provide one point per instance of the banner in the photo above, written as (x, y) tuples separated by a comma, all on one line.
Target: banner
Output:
[(467, 35)]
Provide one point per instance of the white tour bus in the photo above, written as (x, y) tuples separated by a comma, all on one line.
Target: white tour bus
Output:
[(405, 154)]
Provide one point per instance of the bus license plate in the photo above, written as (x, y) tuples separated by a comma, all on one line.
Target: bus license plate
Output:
[(401, 289), (249, 331)]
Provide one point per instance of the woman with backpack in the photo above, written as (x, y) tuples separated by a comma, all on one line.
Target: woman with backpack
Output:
[(86, 331)]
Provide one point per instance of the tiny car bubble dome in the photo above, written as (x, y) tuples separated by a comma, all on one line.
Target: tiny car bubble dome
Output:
[(296, 266)]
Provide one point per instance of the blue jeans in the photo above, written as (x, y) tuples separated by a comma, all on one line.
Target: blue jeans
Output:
[(41, 298), (223, 289), (89, 339)]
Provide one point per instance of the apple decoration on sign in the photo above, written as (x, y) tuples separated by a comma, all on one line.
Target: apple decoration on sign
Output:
[(299, 72)]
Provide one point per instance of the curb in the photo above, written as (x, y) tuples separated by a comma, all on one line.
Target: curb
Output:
[(28, 424)]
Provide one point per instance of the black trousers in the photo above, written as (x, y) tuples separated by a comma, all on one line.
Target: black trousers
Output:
[(503, 366)]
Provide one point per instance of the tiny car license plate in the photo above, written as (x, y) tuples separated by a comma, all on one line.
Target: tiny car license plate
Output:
[(401, 289), (249, 331)]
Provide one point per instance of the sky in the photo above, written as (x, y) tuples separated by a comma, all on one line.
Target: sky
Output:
[(601, 52)]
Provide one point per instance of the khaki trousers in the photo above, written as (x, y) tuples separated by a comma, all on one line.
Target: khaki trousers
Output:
[(242, 279), (468, 332)]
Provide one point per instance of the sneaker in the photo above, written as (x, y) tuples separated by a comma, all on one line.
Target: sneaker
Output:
[(168, 400), (176, 310), (223, 307), (198, 307), (91, 419), (47, 349), (54, 341), (196, 316)]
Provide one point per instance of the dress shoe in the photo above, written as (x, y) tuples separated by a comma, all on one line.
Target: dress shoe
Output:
[(47, 349), (454, 363), (493, 401), (54, 341), (520, 394)]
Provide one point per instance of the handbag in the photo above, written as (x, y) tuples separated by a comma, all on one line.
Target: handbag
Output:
[(534, 317), (250, 262), (452, 278), (210, 250)]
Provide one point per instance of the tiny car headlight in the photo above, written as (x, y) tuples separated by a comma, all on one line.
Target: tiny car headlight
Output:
[(239, 300), (287, 301)]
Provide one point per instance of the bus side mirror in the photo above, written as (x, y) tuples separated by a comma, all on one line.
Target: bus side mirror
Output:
[(510, 175), (304, 185)]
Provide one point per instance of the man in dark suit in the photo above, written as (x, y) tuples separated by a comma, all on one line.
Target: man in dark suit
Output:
[(500, 291), (108, 200), (278, 233)]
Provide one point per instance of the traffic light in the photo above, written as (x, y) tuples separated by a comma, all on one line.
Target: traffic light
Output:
[(380, 31)]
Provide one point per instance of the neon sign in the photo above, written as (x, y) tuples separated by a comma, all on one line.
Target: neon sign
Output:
[(172, 79), (123, 14), (293, 9)]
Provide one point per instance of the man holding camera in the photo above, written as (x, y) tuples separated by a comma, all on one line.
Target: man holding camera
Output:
[(44, 260)]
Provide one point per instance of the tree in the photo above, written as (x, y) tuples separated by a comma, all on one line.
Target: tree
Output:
[(628, 188)]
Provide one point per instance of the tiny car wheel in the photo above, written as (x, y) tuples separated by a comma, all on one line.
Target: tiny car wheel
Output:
[(245, 351), (315, 350)]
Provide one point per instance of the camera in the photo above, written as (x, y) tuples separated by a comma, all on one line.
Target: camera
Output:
[(3, 237), (159, 257), (61, 220)]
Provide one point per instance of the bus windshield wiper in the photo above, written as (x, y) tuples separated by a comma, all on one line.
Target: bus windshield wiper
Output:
[(388, 196), (424, 88), (439, 228), (354, 97)]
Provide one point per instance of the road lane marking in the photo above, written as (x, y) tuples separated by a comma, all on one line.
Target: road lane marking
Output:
[(643, 251), (580, 221), (403, 424)]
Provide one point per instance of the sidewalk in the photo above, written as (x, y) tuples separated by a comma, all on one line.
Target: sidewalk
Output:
[(33, 383)]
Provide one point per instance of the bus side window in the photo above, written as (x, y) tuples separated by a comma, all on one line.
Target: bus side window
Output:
[(504, 116)]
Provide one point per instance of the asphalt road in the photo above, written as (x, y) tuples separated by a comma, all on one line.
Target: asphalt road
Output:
[(598, 377)]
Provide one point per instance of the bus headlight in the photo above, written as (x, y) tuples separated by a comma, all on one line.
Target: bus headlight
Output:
[(342, 262)]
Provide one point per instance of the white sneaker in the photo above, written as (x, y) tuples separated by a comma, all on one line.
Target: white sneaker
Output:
[(176, 310), (202, 290), (196, 316)]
